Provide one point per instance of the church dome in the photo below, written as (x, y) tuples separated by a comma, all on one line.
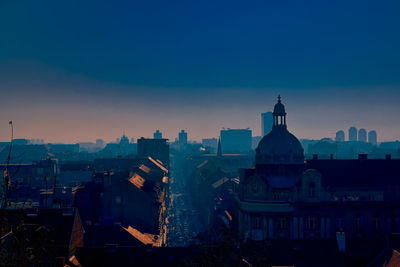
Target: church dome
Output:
[(279, 146)]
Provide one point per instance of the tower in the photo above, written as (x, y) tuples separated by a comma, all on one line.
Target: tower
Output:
[(182, 139), (219, 151), (157, 134), (353, 134), (372, 137), (362, 135), (279, 114), (279, 146), (339, 136), (266, 123)]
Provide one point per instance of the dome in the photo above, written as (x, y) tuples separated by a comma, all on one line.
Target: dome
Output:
[(279, 147)]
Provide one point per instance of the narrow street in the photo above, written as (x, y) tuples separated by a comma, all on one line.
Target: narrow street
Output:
[(183, 220)]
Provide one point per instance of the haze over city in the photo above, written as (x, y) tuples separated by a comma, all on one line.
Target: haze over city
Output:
[(200, 133), (66, 77)]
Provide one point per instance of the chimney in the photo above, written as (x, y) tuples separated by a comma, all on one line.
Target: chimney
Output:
[(315, 156), (331, 156), (388, 156)]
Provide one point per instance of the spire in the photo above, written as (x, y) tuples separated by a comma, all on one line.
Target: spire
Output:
[(279, 98), (219, 151)]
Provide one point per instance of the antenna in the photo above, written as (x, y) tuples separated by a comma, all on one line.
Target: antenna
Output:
[(7, 180)]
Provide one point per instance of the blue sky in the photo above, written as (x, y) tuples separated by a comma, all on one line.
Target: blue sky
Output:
[(200, 65)]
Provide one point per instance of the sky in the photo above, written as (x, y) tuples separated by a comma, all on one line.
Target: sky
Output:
[(74, 71)]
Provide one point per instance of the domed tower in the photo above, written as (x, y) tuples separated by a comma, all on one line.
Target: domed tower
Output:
[(279, 153)]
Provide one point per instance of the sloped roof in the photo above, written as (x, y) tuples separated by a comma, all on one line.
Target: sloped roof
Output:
[(158, 164), (388, 258), (137, 181), (220, 182), (145, 238)]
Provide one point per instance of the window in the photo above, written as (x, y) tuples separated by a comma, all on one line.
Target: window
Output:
[(282, 223), (339, 223), (377, 222), (311, 222), (276, 196), (311, 190), (256, 222), (358, 223)]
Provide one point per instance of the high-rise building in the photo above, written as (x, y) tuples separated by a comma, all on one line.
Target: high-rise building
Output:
[(339, 136), (353, 134), (362, 135), (156, 148), (124, 140), (183, 138), (236, 141), (266, 123), (100, 143), (157, 134), (372, 137), (254, 141)]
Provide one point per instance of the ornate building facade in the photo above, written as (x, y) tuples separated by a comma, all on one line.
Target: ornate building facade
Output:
[(283, 196)]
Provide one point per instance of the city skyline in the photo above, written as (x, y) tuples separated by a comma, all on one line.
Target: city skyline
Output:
[(229, 117)]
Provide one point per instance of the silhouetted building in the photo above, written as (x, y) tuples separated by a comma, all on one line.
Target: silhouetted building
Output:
[(283, 197), (183, 139), (254, 141), (50, 235), (236, 141), (119, 149), (156, 148), (20, 142), (353, 134), (372, 137), (339, 136), (362, 135), (100, 143), (266, 123), (157, 134), (124, 140)]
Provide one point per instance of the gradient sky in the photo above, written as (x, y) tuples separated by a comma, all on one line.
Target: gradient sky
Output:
[(73, 71)]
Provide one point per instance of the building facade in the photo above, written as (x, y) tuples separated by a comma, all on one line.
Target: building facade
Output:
[(283, 196), (155, 148), (353, 134), (266, 123), (235, 141)]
